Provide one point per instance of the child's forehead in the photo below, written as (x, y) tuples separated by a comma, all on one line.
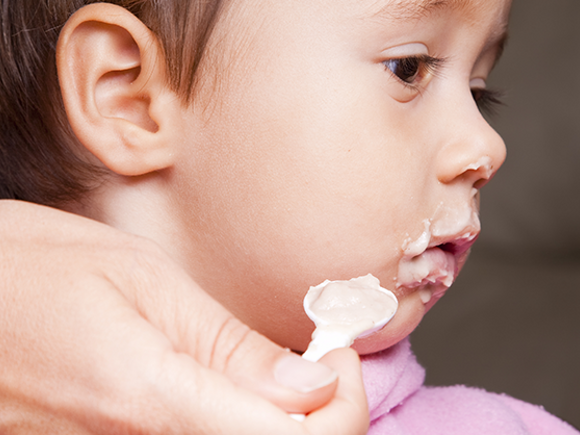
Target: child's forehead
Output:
[(348, 12)]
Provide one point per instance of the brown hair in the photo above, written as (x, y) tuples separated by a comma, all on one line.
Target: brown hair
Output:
[(37, 158)]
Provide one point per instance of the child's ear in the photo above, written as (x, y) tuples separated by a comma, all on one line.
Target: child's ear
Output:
[(113, 81)]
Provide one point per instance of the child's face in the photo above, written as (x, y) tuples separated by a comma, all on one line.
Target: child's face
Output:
[(320, 152)]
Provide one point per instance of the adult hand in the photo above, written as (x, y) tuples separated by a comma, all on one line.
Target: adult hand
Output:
[(101, 333)]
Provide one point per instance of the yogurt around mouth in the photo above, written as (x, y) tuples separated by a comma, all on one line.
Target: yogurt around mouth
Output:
[(429, 267), (425, 267)]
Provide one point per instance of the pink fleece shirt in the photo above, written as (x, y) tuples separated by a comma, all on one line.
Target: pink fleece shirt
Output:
[(400, 404)]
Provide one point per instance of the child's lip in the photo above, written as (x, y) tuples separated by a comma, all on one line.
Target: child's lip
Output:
[(437, 266), (456, 245), (434, 267)]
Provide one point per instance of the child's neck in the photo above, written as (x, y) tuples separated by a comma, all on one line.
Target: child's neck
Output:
[(136, 205)]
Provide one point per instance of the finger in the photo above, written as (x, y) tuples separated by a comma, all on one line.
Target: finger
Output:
[(188, 404), (197, 325), (347, 413), (284, 378)]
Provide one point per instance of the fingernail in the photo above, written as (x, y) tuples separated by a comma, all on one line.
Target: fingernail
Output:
[(301, 375)]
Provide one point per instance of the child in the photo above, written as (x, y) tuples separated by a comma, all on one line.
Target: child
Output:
[(268, 146)]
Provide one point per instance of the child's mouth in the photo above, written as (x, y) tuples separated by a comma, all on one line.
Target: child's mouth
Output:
[(432, 267), (431, 263)]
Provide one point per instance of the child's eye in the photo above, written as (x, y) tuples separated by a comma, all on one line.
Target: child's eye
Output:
[(487, 100), (413, 69), (405, 69)]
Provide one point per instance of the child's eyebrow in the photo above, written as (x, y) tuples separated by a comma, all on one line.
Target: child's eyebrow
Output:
[(415, 9)]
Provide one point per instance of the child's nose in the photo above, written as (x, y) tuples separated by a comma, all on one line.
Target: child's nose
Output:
[(473, 152)]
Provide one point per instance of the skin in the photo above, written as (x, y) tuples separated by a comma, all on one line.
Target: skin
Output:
[(102, 333), (306, 159)]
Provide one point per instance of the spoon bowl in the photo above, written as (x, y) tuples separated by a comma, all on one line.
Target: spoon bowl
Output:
[(345, 310)]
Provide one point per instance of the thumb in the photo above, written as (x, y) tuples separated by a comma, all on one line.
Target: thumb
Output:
[(253, 362), (200, 327)]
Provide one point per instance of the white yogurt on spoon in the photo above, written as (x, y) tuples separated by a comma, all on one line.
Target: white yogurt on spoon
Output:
[(345, 310)]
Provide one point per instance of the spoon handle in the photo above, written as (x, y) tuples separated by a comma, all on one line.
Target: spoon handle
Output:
[(324, 341)]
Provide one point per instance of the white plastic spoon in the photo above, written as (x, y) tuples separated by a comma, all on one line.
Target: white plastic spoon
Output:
[(343, 311)]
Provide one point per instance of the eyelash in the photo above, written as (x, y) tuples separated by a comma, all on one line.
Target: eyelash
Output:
[(424, 65), (487, 100)]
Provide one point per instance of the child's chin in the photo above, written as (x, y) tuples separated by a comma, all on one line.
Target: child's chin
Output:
[(409, 314)]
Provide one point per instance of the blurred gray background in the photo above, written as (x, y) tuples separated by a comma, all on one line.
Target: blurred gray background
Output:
[(511, 322)]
